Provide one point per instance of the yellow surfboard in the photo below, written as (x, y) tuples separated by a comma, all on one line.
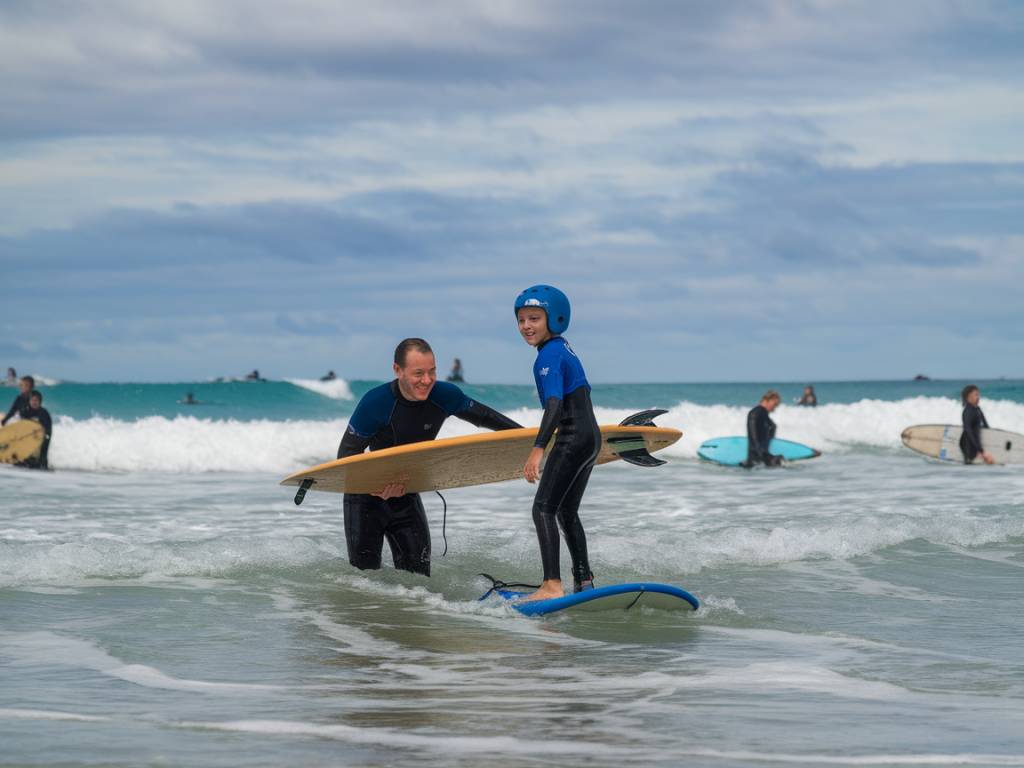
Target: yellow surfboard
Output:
[(456, 462), (19, 441)]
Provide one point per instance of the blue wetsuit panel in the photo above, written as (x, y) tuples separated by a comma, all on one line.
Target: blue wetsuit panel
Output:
[(557, 370)]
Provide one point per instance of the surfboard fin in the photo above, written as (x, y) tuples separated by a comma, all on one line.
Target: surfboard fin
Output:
[(634, 451), (642, 419), (301, 493)]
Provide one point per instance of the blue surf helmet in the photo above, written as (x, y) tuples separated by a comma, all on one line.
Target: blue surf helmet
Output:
[(551, 300)]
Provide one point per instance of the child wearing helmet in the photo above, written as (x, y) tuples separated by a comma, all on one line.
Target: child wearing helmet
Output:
[(542, 313)]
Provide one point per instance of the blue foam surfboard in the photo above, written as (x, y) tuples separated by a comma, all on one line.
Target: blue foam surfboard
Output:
[(732, 451), (612, 597)]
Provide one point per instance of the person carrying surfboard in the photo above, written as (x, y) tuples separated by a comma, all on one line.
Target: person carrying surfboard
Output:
[(27, 384), (34, 411), (974, 421), (409, 409), (761, 430), (542, 312)]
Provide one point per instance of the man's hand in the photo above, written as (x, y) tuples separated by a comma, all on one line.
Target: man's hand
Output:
[(531, 470), (391, 491)]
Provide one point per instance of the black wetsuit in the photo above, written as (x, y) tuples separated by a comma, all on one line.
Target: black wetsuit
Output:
[(565, 395), (20, 402), (970, 441), (42, 416), (382, 419), (760, 431)]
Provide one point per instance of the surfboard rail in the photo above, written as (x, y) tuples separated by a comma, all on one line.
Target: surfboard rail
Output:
[(611, 597), (454, 462)]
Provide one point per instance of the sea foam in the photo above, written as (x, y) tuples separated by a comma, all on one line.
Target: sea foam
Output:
[(187, 444)]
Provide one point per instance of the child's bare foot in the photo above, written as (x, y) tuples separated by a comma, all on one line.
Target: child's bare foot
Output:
[(549, 589)]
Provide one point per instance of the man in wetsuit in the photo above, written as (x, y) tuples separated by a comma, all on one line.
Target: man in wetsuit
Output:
[(27, 384), (34, 411), (974, 421), (410, 409), (760, 431)]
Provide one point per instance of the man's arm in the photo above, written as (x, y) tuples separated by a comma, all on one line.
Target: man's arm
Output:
[(485, 417), (15, 407), (352, 443)]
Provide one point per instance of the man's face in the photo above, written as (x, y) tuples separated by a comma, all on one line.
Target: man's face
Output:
[(25, 387), (975, 397), (533, 325), (417, 378), (35, 403), (771, 405)]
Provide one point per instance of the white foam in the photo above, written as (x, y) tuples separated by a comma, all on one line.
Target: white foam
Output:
[(338, 389), (47, 714), (189, 444)]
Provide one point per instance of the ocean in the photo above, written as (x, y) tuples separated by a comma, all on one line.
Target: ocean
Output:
[(163, 601)]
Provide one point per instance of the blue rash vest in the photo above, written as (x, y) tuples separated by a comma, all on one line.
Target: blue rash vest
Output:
[(557, 370)]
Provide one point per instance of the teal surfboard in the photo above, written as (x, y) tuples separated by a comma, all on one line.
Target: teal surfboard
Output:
[(614, 597), (732, 451)]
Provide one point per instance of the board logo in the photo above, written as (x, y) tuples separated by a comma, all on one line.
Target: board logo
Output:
[(534, 303), (427, 426)]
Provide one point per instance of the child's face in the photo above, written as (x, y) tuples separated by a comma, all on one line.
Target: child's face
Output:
[(533, 325)]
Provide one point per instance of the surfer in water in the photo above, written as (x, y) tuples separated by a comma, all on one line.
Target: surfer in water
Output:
[(27, 384), (760, 431), (410, 409), (808, 397), (329, 376), (456, 373), (974, 421), (34, 411), (543, 315)]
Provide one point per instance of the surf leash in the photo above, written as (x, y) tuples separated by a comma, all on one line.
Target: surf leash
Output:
[(497, 584), (444, 522)]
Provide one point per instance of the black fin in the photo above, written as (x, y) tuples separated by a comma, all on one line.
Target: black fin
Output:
[(642, 419), (634, 451), (301, 493)]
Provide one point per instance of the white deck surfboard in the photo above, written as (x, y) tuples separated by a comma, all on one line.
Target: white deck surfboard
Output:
[(456, 462), (942, 441)]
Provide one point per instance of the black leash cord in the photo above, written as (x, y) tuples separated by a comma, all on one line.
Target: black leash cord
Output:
[(498, 584), (444, 522)]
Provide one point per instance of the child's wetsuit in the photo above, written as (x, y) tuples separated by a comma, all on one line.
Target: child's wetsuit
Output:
[(565, 396)]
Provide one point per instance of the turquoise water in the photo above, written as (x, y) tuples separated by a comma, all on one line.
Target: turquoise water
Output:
[(281, 400), (163, 601)]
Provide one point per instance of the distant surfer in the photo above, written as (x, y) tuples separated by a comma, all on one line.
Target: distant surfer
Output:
[(190, 399), (26, 384), (254, 376), (456, 373), (34, 411), (542, 313), (329, 376), (760, 431), (974, 421), (808, 397), (409, 409), (12, 378)]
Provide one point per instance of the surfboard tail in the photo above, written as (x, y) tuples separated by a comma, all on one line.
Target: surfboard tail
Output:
[(634, 450)]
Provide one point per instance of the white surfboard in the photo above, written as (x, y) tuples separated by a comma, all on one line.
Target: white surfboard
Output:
[(942, 441)]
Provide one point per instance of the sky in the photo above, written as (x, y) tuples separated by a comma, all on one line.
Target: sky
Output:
[(743, 191)]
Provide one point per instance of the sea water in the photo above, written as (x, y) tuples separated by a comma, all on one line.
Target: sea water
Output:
[(163, 601)]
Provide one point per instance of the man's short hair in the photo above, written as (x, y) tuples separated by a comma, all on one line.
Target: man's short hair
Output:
[(967, 392), (30, 380), (36, 393), (771, 394), (405, 345)]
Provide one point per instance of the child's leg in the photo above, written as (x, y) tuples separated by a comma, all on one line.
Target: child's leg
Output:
[(572, 528)]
